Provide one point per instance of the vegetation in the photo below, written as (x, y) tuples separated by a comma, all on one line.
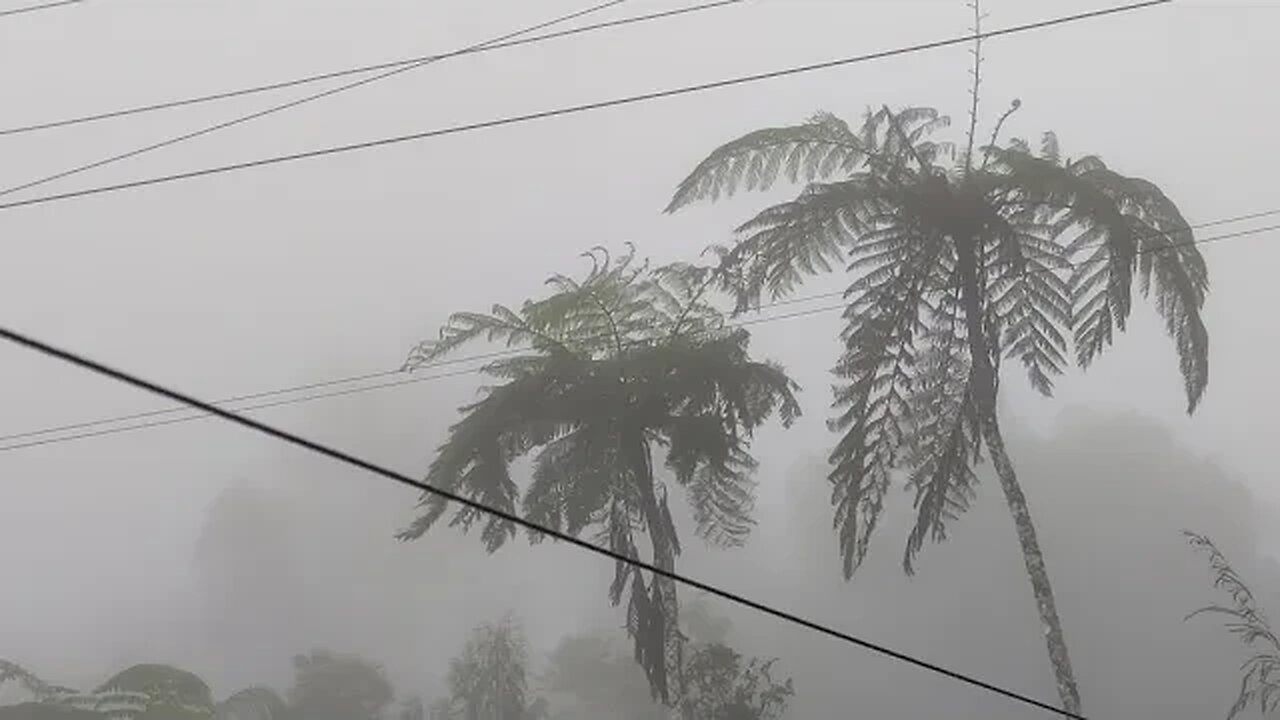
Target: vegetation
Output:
[(1260, 673), (141, 692), (488, 680), (958, 258), (615, 365)]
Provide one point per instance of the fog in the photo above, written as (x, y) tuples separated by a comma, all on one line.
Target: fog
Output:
[(217, 550)]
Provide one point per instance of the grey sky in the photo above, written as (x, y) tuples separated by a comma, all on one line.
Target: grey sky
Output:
[(324, 268)]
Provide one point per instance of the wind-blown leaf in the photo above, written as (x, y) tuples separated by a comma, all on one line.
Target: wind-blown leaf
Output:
[(1260, 674)]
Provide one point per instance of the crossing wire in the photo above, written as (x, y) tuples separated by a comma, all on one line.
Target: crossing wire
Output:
[(569, 110), (210, 129), (358, 70)]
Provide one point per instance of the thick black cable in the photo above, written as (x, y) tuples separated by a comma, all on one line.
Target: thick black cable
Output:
[(209, 129), (440, 376), (334, 74), (38, 8), (569, 110), (368, 466)]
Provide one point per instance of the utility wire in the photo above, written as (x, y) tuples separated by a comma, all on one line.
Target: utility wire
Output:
[(37, 8), (569, 110), (302, 100), (357, 462), (319, 77), (414, 380)]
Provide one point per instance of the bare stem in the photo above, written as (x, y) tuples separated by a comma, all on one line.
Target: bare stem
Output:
[(976, 72)]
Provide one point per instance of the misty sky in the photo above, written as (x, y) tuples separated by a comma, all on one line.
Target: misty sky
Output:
[(320, 269)]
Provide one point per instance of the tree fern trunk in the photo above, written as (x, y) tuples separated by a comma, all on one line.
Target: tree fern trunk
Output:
[(663, 541), (983, 387), (1054, 639)]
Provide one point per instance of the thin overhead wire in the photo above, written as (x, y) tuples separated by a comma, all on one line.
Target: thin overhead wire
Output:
[(359, 70), (568, 110), (210, 129), (371, 467), (419, 379), (38, 8)]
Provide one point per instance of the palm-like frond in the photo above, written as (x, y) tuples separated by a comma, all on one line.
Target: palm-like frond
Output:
[(1260, 674), (816, 149), (944, 438), (1124, 227), (878, 375)]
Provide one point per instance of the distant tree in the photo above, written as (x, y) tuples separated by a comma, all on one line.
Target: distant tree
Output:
[(720, 683), (152, 692), (489, 680), (597, 679), (957, 259), (724, 687), (1260, 674), (619, 363), (330, 686)]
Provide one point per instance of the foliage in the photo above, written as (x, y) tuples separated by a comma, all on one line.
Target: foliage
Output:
[(724, 687), (1260, 674), (330, 686), (489, 680), (162, 686), (612, 366), (956, 264), (599, 681), (147, 692), (720, 683), (1056, 245)]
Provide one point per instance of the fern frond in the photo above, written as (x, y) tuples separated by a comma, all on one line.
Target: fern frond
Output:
[(944, 439), (1030, 301), (1260, 674), (814, 150), (716, 474), (883, 317), (787, 242)]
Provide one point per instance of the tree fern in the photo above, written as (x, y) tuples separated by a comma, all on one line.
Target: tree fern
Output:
[(613, 365), (954, 266)]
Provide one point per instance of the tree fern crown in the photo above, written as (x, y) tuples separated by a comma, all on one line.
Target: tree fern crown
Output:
[(1057, 245)]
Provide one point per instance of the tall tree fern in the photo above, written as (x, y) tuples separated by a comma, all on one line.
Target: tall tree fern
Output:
[(613, 366), (956, 260)]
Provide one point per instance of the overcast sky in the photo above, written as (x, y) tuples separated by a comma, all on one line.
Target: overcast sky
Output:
[(331, 267)]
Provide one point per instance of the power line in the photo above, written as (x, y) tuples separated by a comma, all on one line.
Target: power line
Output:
[(368, 466), (456, 373), (38, 8), (207, 130), (569, 110), (360, 70)]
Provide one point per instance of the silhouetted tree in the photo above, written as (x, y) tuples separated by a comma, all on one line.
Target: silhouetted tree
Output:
[(724, 687), (616, 363), (490, 679), (1260, 674), (957, 260), (328, 686)]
